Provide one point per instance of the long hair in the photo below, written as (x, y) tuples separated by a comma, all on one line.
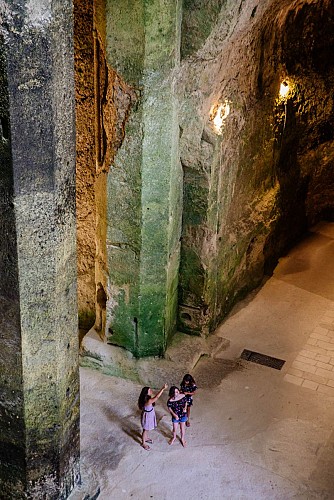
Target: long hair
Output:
[(172, 391), (143, 398), (188, 378)]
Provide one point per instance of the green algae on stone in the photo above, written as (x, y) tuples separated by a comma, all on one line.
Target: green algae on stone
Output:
[(146, 186)]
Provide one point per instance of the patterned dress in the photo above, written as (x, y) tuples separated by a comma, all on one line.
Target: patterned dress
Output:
[(178, 406), (188, 388), (148, 418)]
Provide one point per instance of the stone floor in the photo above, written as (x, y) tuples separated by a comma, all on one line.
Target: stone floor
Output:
[(256, 432)]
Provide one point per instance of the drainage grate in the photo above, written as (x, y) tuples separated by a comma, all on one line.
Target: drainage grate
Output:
[(262, 359)]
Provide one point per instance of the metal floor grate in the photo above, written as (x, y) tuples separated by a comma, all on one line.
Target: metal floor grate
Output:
[(262, 359)]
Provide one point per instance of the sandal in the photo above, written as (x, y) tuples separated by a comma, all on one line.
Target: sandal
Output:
[(147, 448), (149, 441)]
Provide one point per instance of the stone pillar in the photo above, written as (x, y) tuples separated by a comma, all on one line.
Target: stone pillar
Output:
[(145, 181), (39, 383)]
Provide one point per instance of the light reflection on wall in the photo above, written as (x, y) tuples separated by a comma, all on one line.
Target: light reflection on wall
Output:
[(218, 114), (284, 89)]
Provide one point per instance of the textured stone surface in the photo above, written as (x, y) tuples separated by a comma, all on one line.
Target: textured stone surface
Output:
[(246, 193), (199, 18), (102, 106), (249, 192), (85, 159), (40, 455), (145, 184), (12, 432), (253, 435), (181, 357), (252, 191)]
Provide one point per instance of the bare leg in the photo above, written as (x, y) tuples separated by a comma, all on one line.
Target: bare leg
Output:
[(188, 415), (183, 434), (144, 438), (171, 441)]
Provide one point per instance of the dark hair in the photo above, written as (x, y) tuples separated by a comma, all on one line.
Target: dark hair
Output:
[(172, 391), (143, 398), (188, 378)]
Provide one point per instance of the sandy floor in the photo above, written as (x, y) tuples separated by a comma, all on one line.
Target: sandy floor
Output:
[(255, 433)]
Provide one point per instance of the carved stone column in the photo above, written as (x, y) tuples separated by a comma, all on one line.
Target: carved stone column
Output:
[(39, 382), (144, 186)]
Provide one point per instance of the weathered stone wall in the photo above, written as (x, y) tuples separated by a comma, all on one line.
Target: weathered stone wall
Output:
[(307, 48), (102, 107), (39, 373), (113, 101), (145, 182), (12, 431), (85, 159), (251, 191), (199, 18)]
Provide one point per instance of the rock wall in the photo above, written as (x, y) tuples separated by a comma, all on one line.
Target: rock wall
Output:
[(39, 379), (85, 160), (252, 189), (102, 106), (12, 432), (144, 183), (249, 188)]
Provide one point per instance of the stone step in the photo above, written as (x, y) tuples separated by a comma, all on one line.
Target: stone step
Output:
[(181, 357)]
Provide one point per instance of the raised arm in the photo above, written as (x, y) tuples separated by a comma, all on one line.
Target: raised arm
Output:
[(154, 398)]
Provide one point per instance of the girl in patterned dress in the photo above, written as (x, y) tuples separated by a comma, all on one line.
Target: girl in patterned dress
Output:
[(188, 387), (177, 406), (146, 403)]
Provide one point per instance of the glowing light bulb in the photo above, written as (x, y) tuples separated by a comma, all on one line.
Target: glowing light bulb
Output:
[(284, 89), (219, 116)]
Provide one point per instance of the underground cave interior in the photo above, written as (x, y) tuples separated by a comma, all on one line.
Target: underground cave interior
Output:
[(198, 178), (204, 151)]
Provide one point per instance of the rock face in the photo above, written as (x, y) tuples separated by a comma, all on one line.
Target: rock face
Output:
[(144, 182), (252, 190), (39, 380), (204, 151), (85, 160), (247, 188)]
